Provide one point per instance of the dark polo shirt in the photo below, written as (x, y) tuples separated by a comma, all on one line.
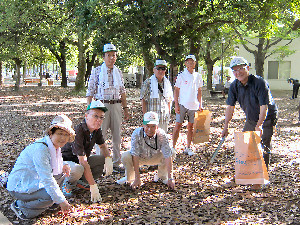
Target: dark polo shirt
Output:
[(83, 143), (251, 96)]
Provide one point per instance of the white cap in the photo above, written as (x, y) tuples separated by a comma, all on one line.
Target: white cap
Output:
[(150, 118), (109, 48), (160, 62), (190, 57), (238, 61), (96, 105)]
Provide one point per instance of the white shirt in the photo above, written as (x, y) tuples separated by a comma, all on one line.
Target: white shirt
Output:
[(189, 85)]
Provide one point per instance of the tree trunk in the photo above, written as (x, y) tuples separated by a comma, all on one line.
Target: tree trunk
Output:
[(1, 78), (18, 75), (210, 68), (79, 84), (147, 60), (89, 65), (24, 70), (41, 74), (63, 64)]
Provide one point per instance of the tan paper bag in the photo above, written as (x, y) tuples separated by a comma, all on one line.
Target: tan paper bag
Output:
[(201, 126), (250, 167)]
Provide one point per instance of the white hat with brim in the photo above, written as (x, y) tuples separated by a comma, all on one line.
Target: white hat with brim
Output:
[(237, 61), (190, 57), (150, 118), (96, 105), (109, 48), (160, 62), (64, 123)]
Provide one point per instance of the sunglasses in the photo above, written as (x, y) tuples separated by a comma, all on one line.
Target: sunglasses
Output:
[(161, 68)]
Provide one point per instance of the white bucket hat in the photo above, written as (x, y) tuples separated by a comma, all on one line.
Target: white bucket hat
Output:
[(64, 123), (190, 57), (150, 118)]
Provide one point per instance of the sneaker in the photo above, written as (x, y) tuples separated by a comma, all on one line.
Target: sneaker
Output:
[(152, 168), (122, 181), (188, 151), (118, 169), (81, 184), (157, 179), (67, 188), (14, 207), (54, 207)]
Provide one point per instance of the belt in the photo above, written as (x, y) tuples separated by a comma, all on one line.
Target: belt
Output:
[(112, 101)]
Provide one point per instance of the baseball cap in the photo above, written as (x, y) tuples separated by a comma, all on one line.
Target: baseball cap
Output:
[(190, 57), (150, 118), (64, 123), (109, 48), (238, 61), (160, 62), (96, 105)]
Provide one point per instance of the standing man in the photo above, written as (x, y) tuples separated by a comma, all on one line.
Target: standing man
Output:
[(157, 94), (106, 84), (226, 87), (254, 96), (149, 146), (86, 167), (188, 99)]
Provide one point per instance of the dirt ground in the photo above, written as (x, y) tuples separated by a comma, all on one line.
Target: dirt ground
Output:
[(204, 194)]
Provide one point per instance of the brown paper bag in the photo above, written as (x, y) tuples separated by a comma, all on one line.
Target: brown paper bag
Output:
[(250, 167), (201, 126)]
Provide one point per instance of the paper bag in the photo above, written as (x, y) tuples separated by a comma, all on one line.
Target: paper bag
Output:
[(201, 126), (250, 167)]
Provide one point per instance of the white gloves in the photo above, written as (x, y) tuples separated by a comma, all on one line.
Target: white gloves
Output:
[(108, 166), (95, 195)]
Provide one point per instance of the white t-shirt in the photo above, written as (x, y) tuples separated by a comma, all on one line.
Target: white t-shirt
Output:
[(189, 85)]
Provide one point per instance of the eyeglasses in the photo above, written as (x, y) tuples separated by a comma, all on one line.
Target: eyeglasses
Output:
[(161, 68), (239, 69), (98, 117)]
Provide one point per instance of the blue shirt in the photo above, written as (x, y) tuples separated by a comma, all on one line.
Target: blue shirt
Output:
[(32, 172), (251, 96)]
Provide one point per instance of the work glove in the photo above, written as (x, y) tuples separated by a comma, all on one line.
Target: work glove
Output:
[(108, 166), (95, 195)]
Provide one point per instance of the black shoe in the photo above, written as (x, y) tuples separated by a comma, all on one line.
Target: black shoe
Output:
[(117, 169), (152, 168), (54, 207), (14, 207)]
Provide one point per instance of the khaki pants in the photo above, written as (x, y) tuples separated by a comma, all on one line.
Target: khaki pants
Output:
[(158, 159)]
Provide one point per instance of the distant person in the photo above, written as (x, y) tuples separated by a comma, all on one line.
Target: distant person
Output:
[(39, 172), (149, 146), (226, 87), (107, 85), (254, 96), (296, 86), (188, 99), (157, 94)]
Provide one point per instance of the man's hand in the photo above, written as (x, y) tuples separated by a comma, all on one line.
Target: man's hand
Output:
[(66, 170), (171, 184), (225, 132), (95, 195), (108, 166), (200, 109), (136, 184)]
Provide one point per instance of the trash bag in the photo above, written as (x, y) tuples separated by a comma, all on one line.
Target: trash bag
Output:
[(201, 126), (250, 167)]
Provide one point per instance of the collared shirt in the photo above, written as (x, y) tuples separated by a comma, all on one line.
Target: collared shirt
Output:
[(110, 93), (158, 105), (145, 147), (189, 85), (83, 143), (251, 96), (32, 172)]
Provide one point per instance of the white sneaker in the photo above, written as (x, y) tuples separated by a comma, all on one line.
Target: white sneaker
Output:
[(156, 179), (122, 181), (188, 151)]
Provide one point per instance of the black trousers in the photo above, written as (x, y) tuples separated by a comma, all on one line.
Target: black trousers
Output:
[(295, 90)]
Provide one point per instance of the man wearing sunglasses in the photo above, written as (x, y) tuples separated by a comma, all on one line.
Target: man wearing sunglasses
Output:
[(86, 167), (254, 96), (157, 94)]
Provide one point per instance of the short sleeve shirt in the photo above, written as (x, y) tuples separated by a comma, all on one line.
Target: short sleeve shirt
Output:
[(145, 147), (251, 96), (83, 143)]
